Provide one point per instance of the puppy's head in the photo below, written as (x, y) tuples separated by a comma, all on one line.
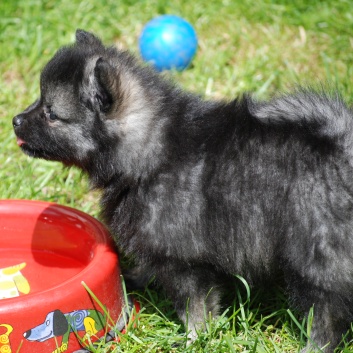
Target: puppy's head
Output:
[(98, 110), (80, 92)]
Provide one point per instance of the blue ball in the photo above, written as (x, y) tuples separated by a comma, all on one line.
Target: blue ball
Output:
[(168, 42)]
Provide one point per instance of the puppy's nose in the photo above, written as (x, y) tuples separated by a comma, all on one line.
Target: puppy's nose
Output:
[(17, 120)]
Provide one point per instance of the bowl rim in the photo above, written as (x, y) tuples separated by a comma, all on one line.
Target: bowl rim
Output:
[(104, 256)]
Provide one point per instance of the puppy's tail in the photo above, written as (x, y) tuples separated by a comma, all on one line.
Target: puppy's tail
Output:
[(324, 115)]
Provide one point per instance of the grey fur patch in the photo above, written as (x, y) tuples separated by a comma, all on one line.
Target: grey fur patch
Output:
[(326, 112)]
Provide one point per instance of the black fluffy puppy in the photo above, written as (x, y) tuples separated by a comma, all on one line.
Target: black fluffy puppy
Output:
[(196, 190)]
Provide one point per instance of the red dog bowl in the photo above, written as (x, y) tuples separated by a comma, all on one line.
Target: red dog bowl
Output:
[(52, 259)]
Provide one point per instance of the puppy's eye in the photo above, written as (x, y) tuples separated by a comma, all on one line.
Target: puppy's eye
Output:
[(50, 115)]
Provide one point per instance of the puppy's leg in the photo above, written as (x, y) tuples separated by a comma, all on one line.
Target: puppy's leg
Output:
[(331, 322), (332, 316), (137, 277), (194, 291)]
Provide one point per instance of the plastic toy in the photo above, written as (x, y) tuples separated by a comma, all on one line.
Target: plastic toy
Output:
[(168, 42), (51, 257)]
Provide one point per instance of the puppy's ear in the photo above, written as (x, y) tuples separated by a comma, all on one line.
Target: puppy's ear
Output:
[(87, 39), (107, 85)]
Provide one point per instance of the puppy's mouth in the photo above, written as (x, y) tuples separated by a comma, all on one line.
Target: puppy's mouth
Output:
[(29, 150), (38, 152), (20, 142)]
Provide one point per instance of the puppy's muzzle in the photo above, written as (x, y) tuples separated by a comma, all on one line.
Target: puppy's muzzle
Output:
[(17, 121)]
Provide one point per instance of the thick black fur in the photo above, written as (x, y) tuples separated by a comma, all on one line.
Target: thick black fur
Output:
[(199, 190)]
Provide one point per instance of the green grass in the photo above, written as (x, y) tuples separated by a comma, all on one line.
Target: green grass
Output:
[(263, 46)]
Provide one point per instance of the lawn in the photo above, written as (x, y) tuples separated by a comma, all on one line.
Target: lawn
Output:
[(262, 46)]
